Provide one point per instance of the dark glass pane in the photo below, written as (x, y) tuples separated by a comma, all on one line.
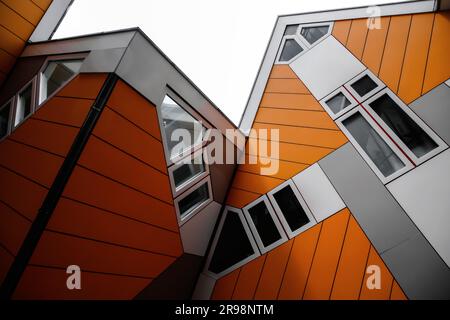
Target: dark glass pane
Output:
[(291, 208), (23, 105), (264, 224), (232, 246), (4, 119), (312, 34), (193, 200), (375, 147), (291, 49), (338, 103), (364, 85), (186, 172), (291, 30), (412, 135), (56, 74)]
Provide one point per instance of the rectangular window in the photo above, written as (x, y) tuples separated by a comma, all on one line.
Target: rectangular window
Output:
[(233, 244), (266, 226), (364, 85), (338, 102), (290, 207), (193, 200), (411, 134), (56, 74), (5, 112), (187, 172), (182, 131), (24, 104), (374, 145)]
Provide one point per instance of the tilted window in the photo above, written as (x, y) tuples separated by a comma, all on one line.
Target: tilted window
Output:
[(193, 200), (291, 48), (314, 33), (24, 104), (5, 113)]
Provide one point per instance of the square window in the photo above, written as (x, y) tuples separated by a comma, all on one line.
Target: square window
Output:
[(290, 207), (24, 104), (56, 74), (364, 85), (265, 224), (233, 245), (5, 112), (338, 103)]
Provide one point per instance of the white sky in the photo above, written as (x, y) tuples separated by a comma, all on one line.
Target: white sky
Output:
[(219, 44)]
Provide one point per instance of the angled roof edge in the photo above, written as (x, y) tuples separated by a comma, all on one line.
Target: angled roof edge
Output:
[(409, 7), (121, 41), (51, 20)]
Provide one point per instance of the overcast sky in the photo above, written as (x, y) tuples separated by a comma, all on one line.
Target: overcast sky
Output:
[(219, 44)]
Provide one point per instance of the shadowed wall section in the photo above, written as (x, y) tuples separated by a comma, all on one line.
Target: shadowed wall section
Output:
[(31, 157), (325, 262), (18, 19), (116, 218), (409, 53)]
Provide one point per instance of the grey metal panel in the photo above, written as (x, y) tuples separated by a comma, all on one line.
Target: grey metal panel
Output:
[(51, 20), (423, 193), (24, 70), (149, 72), (329, 15), (80, 44), (434, 109), (196, 233), (418, 269), (102, 60), (444, 4), (204, 288), (381, 217)]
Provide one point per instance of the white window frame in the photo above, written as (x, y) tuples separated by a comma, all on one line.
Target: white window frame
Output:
[(334, 116), (11, 104), (275, 219), (300, 43), (186, 185), (79, 56), (441, 144), (216, 239), (182, 104), (316, 24), (312, 221), (408, 165), (367, 72), (199, 206), (16, 102)]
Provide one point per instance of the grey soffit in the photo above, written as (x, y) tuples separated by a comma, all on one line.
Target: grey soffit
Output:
[(51, 20), (418, 269), (105, 60), (204, 287), (177, 282), (433, 108), (322, 16), (381, 217), (99, 41)]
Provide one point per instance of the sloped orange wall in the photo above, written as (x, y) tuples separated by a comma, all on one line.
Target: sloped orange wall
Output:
[(328, 261), (409, 53), (18, 19), (116, 218)]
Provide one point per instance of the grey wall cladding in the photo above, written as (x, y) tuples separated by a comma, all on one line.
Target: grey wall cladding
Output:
[(434, 109), (414, 263)]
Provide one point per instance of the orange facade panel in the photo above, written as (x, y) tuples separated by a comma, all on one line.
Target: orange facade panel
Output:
[(397, 292), (15, 23), (6, 259), (240, 198), (297, 118), (357, 37), (290, 101), (341, 30), (13, 228), (248, 279), (94, 285), (282, 71), (292, 86), (67, 111), (224, 287), (374, 47)]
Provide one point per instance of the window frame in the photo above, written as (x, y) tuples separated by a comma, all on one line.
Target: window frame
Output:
[(380, 85), (275, 219), (330, 25), (75, 56), (190, 182), (334, 116), (417, 161), (32, 82), (250, 237), (11, 116), (191, 111), (312, 221), (408, 165), (196, 209), (283, 41)]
